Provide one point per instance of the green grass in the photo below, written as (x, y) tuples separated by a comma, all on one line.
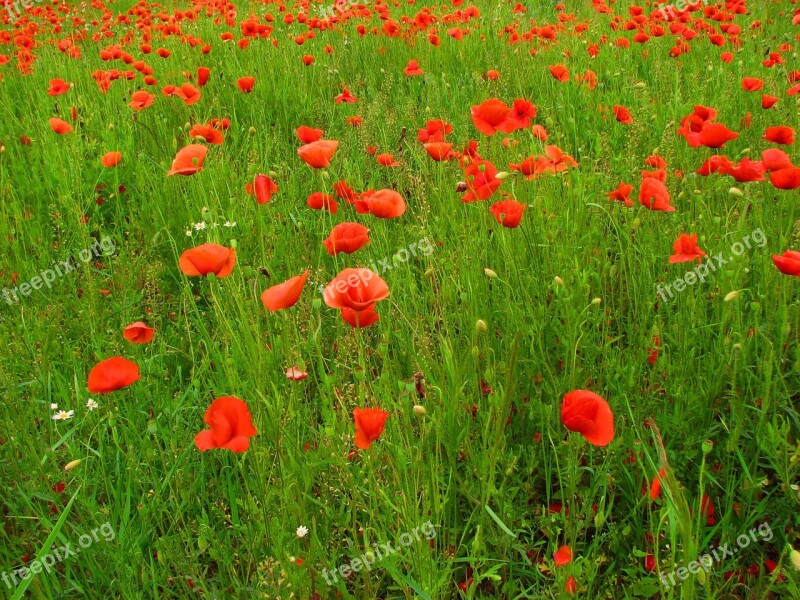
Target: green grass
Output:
[(222, 525)]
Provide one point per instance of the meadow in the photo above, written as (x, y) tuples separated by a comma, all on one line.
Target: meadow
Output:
[(399, 299)]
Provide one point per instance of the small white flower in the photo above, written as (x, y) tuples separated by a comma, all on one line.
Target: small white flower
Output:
[(54, 406), (199, 226), (302, 531), (229, 224), (189, 232), (91, 404), (63, 415)]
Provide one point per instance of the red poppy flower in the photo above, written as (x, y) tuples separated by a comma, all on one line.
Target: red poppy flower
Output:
[(141, 100), (345, 96), (231, 426), (559, 72), (622, 114), (482, 182), (588, 414), (369, 424), (775, 159), (768, 101), (60, 126), (491, 117), (189, 160), (621, 194), (779, 135), (308, 60), (360, 318), (262, 188), (655, 486), (246, 84), (508, 212), (58, 87), (320, 201), (384, 204), (539, 132), (112, 374), (207, 134), (654, 195), (295, 374), (716, 135), (571, 587), (752, 84), (318, 154), (208, 258), (492, 75), (111, 159), (357, 289), (203, 73), (746, 170), (138, 333), (521, 114), (788, 263), (387, 160), (346, 238), (435, 131), (307, 135), (354, 121), (438, 150), (787, 178), (413, 69), (563, 556), (686, 249), (286, 294)]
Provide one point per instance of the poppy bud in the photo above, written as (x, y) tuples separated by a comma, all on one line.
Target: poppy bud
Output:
[(72, 464), (419, 410), (599, 519), (502, 175), (480, 326), (734, 191), (252, 131), (111, 127), (273, 175), (596, 301), (429, 272), (462, 187), (557, 280), (732, 296), (316, 303), (794, 558), (489, 273), (637, 223), (707, 446), (325, 175), (639, 85)]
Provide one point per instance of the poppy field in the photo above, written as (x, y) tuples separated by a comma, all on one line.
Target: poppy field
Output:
[(400, 299)]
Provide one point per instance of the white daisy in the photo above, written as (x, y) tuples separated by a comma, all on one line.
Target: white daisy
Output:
[(91, 404), (54, 406), (229, 224), (199, 226), (189, 232), (63, 415), (302, 531)]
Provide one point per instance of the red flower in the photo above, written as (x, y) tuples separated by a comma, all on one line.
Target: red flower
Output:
[(320, 201), (286, 294), (482, 182), (346, 238), (571, 587), (369, 424), (752, 84), (588, 414), (508, 212), (787, 178), (207, 134), (438, 150), (621, 194), (112, 374), (203, 74), (563, 556), (716, 135), (384, 204), (779, 135), (654, 195), (387, 160), (655, 487), (231, 426), (622, 114), (138, 333), (58, 87), (491, 117), (189, 160), (318, 154), (768, 101), (141, 99), (308, 135), (208, 258), (345, 96), (788, 263), (413, 69), (686, 249), (262, 188), (60, 126), (559, 72), (246, 84), (111, 159), (357, 290)]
